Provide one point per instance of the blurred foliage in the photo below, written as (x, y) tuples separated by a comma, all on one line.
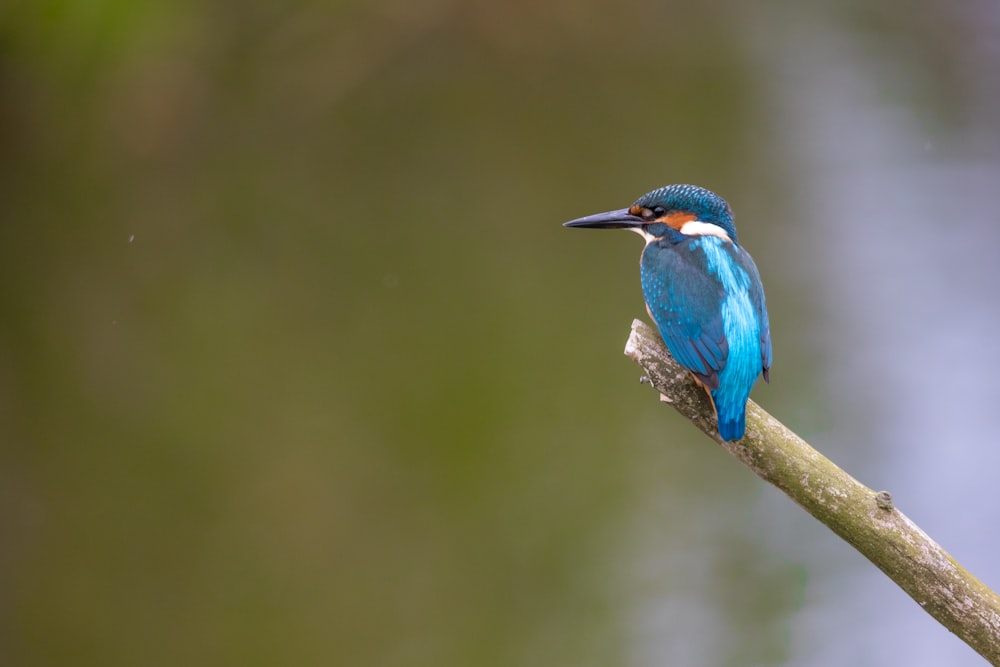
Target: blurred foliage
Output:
[(297, 365)]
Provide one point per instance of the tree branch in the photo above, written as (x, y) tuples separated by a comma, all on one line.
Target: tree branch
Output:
[(866, 520)]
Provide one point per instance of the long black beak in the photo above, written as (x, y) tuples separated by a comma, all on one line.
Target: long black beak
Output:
[(620, 219)]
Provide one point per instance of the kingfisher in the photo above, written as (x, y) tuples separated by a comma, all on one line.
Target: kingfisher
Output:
[(703, 291)]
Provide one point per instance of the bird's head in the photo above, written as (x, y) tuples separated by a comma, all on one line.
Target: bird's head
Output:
[(686, 209)]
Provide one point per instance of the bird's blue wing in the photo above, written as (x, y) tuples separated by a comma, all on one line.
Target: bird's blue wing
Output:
[(685, 301), (760, 305)]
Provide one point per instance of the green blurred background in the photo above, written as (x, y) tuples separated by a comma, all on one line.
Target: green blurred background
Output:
[(298, 367)]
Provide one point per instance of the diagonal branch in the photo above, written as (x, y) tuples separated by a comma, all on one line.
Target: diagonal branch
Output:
[(867, 520)]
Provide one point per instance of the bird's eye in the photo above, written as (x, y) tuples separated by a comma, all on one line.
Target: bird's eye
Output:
[(654, 213)]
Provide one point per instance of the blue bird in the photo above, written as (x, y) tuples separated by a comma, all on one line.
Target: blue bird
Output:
[(703, 291)]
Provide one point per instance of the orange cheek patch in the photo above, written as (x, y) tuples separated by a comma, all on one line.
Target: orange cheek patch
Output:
[(676, 219)]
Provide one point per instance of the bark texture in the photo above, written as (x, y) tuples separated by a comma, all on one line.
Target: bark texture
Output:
[(866, 519)]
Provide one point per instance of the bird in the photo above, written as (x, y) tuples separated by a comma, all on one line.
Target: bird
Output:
[(703, 291)]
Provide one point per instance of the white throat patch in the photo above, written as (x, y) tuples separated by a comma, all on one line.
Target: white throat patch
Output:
[(641, 231)]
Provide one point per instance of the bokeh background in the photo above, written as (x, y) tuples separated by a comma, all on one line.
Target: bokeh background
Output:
[(298, 367)]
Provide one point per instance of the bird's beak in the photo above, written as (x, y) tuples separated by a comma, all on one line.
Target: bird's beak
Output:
[(620, 219)]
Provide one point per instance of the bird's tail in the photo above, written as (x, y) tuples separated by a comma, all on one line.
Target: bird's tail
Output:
[(733, 428), (732, 416)]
